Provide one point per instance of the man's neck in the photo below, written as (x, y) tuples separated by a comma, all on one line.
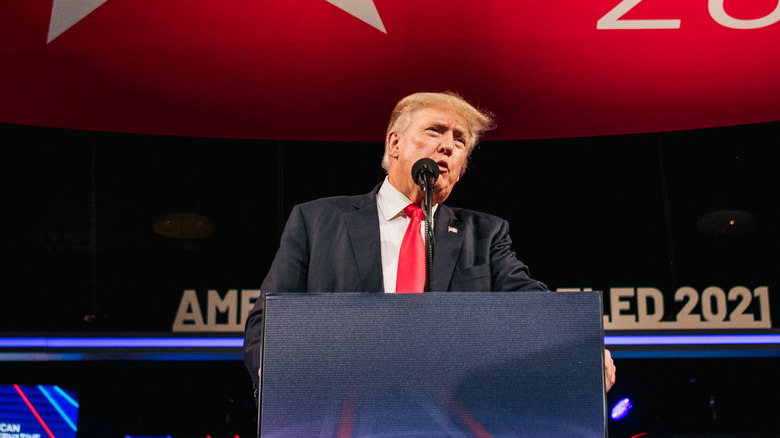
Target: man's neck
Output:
[(415, 195)]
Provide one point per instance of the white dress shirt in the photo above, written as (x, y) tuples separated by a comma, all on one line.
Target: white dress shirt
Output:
[(390, 204)]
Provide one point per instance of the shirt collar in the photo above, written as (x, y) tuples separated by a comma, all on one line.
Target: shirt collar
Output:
[(391, 202)]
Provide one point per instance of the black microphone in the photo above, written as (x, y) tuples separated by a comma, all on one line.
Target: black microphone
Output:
[(425, 171)]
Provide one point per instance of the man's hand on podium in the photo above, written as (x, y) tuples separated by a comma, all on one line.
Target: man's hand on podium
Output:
[(609, 369), (259, 383)]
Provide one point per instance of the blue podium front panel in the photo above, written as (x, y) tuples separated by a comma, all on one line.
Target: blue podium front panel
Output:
[(449, 364)]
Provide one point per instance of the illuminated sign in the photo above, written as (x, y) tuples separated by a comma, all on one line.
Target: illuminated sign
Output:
[(37, 411), (712, 308), (628, 308), (225, 313)]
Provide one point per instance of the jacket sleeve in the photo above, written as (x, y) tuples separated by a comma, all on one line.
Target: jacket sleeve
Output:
[(508, 272), (288, 273)]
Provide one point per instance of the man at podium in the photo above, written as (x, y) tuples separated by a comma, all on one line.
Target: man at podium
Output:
[(373, 242)]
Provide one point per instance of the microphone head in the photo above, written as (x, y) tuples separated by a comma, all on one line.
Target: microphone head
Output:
[(424, 166)]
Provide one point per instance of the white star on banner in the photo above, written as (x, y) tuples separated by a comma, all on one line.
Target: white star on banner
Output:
[(364, 10), (66, 13)]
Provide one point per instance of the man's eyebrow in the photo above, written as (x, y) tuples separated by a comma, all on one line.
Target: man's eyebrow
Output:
[(457, 132), (462, 133), (442, 124)]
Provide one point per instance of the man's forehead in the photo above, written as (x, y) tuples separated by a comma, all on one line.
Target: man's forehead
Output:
[(442, 115)]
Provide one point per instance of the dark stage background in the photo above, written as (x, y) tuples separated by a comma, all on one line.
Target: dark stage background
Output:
[(81, 255)]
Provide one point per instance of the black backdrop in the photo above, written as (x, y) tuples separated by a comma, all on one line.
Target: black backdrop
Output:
[(597, 212)]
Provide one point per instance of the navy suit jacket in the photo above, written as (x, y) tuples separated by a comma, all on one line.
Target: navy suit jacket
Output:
[(332, 245)]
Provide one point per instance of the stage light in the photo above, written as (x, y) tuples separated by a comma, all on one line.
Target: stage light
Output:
[(148, 436), (728, 223), (184, 226), (621, 409)]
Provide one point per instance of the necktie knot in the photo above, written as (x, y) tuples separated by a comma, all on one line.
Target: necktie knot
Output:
[(411, 258), (414, 211)]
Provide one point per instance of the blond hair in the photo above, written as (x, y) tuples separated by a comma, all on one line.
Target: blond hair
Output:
[(479, 121)]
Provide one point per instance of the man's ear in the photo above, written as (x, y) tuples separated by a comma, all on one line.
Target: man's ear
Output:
[(391, 143)]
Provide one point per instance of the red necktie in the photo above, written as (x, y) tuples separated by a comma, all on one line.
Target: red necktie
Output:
[(411, 259)]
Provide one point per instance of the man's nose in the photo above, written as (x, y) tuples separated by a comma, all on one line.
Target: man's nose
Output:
[(447, 144)]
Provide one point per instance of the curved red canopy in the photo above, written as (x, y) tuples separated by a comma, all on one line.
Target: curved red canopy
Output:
[(333, 69)]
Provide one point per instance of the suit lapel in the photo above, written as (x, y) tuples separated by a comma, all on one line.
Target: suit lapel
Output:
[(362, 226), (449, 233)]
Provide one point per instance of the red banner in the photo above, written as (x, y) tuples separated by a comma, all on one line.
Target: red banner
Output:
[(333, 69)]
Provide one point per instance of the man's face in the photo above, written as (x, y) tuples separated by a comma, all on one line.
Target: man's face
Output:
[(436, 132)]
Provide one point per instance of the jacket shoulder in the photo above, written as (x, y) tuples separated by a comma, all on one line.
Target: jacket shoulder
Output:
[(468, 216), (334, 204)]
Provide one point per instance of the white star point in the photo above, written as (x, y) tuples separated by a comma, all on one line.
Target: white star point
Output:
[(365, 10), (66, 13)]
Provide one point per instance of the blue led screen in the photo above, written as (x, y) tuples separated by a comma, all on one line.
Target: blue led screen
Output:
[(38, 411)]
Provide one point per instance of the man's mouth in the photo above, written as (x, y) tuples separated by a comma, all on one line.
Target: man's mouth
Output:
[(442, 166)]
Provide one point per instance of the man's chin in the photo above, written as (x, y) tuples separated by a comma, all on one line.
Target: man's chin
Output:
[(440, 194)]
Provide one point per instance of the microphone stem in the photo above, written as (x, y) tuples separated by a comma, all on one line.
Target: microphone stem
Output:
[(429, 241)]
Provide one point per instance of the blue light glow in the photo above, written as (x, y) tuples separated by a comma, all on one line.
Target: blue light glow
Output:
[(238, 342), (66, 396), (116, 342), (147, 436), (692, 340), (164, 347), (57, 407), (621, 409)]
